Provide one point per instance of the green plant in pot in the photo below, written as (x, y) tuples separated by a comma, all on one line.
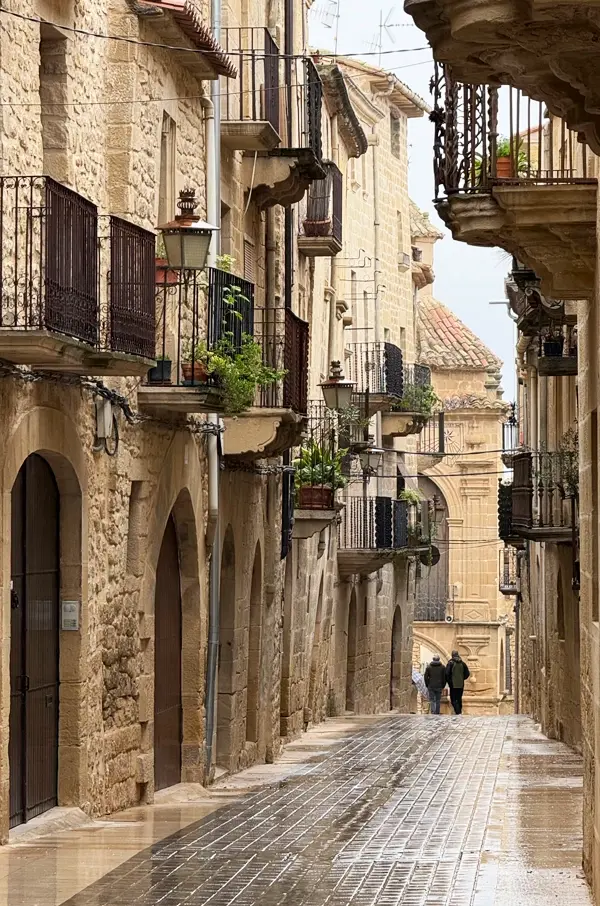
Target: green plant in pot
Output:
[(417, 398), (318, 475), (504, 158), (411, 496), (239, 371), (194, 363)]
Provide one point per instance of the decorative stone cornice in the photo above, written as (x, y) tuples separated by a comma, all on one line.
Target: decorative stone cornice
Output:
[(339, 103), (549, 50)]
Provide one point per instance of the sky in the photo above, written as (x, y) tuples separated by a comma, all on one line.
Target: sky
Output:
[(467, 279)]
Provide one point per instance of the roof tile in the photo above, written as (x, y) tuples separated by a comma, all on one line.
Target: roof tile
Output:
[(445, 342)]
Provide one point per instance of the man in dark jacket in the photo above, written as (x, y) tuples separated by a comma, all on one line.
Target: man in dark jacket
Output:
[(456, 674), (435, 680)]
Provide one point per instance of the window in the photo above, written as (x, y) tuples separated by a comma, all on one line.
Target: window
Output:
[(166, 189), (395, 134)]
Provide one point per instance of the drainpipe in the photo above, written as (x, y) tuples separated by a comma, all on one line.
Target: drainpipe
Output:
[(213, 543), (333, 281), (376, 225), (212, 175)]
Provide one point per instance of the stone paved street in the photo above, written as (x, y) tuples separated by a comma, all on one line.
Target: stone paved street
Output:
[(417, 811)]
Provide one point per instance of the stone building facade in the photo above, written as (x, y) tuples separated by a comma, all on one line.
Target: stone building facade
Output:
[(133, 500), (459, 605), (548, 512)]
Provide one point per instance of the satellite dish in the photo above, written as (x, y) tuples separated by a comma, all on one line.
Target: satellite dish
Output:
[(430, 557)]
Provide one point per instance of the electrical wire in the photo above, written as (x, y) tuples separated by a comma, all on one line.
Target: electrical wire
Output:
[(191, 50)]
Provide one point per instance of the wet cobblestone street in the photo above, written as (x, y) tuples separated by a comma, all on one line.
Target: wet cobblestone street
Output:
[(414, 811)]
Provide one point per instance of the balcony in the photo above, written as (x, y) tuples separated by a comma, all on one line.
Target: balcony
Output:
[(321, 216), (276, 421), (76, 289), (193, 316), (372, 532), (377, 372), (527, 192), (510, 439), (283, 174), (557, 352), (250, 103), (544, 49), (430, 610), (545, 496), (319, 474), (410, 413), (431, 443), (533, 310), (507, 571)]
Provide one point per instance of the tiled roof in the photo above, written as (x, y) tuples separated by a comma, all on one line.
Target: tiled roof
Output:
[(420, 225), (446, 343)]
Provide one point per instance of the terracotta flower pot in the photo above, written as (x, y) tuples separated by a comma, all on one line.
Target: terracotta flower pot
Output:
[(194, 374), (163, 273), (315, 497), (503, 167)]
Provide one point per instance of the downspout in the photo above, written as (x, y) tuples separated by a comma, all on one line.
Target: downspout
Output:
[(333, 281), (212, 116)]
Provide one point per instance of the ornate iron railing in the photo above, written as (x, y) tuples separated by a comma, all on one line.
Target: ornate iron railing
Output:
[(510, 433), (321, 211), (505, 501), (507, 571), (316, 461), (470, 153), (415, 396), (284, 338), (230, 307), (313, 104), (373, 523), (376, 368), (432, 440), (428, 610), (544, 491), (65, 269), (254, 96), (557, 351)]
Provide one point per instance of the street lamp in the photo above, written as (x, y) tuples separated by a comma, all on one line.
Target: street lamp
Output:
[(371, 458), (187, 238), (337, 391)]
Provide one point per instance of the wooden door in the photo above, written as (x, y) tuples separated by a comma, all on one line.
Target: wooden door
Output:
[(167, 671), (33, 738)]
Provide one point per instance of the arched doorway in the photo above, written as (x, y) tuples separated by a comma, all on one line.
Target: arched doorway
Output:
[(396, 662), (254, 647), (34, 648), (167, 663), (226, 675), (351, 657)]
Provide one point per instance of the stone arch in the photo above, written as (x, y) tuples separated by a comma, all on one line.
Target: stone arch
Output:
[(396, 660), (313, 681), (351, 653), (53, 436), (226, 684), (177, 494), (255, 617), (444, 653)]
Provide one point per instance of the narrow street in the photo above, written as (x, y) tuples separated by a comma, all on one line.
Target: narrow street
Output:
[(412, 810)]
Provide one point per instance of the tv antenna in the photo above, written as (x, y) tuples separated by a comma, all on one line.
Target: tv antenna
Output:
[(385, 27), (328, 14)]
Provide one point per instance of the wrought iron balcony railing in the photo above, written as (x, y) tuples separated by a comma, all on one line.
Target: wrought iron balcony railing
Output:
[(374, 524), (320, 220), (471, 155), (431, 443), (318, 461), (254, 96), (430, 610), (507, 571), (66, 270), (417, 392), (545, 495), (557, 353), (284, 338), (510, 438), (506, 532), (376, 368)]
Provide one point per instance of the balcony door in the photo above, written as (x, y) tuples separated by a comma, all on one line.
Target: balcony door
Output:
[(168, 721), (34, 678)]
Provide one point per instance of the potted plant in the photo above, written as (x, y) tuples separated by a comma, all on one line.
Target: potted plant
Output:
[(318, 220), (411, 496), (554, 342), (161, 373), (194, 365), (504, 158), (240, 371), (417, 398), (162, 272), (318, 475)]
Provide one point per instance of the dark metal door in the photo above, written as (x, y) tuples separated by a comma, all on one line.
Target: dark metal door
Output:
[(33, 742), (167, 664)]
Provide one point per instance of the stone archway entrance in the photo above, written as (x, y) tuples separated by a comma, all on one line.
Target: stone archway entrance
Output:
[(34, 649), (168, 712)]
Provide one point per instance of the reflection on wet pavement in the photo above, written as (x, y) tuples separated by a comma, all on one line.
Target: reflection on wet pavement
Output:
[(414, 811)]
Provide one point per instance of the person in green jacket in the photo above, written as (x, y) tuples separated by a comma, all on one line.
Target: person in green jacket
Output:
[(456, 674)]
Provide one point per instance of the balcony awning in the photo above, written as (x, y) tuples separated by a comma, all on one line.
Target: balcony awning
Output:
[(186, 18)]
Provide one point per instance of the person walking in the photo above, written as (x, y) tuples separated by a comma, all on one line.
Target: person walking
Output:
[(435, 680), (456, 674)]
